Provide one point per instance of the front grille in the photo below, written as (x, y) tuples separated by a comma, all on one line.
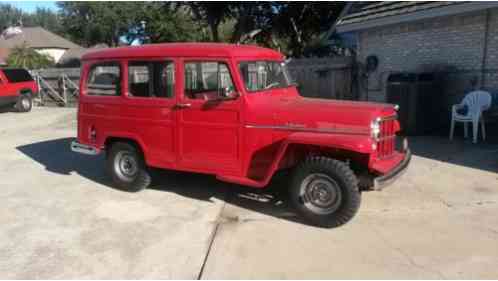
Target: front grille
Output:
[(387, 139)]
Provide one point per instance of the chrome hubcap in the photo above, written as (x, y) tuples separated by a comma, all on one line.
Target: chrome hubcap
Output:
[(320, 194), (126, 165), (25, 103)]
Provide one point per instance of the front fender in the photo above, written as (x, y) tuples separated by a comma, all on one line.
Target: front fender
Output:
[(353, 143)]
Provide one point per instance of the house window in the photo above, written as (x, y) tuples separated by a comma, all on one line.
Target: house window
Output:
[(104, 80), (203, 80), (151, 79)]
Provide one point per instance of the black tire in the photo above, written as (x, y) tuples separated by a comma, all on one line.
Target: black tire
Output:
[(325, 192), (126, 165), (24, 102)]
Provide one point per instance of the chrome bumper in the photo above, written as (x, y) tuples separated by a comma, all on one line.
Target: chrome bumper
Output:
[(84, 149), (387, 179)]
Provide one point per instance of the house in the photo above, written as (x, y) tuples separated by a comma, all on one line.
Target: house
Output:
[(72, 58), (41, 40), (455, 41), (4, 53)]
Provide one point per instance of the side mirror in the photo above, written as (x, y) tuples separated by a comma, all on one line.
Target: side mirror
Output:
[(227, 94)]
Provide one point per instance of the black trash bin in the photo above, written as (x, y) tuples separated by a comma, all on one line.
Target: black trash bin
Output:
[(419, 101)]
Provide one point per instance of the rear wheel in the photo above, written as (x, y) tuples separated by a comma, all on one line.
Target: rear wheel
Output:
[(24, 103), (325, 192), (126, 165)]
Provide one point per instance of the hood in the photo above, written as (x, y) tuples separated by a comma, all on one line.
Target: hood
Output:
[(329, 114)]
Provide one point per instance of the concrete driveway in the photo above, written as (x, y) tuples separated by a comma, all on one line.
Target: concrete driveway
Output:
[(61, 218)]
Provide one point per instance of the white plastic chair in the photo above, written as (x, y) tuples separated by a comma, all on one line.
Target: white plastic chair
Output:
[(477, 102)]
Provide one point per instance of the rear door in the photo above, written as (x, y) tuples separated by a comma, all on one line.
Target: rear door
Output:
[(150, 102), (209, 136)]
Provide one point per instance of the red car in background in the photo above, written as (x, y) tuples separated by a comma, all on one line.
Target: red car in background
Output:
[(17, 88), (232, 111)]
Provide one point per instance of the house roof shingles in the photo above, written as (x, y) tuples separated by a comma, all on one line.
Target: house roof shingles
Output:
[(386, 13), (386, 9), (37, 37)]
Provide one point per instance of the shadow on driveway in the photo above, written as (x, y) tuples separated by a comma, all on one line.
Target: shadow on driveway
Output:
[(57, 157)]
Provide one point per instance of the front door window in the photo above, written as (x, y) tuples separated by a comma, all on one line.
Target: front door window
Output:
[(205, 80)]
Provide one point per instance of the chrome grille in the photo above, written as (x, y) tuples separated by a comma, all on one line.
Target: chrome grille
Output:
[(387, 139)]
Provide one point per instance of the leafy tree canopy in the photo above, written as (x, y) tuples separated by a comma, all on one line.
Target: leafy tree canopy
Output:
[(295, 28), (12, 16)]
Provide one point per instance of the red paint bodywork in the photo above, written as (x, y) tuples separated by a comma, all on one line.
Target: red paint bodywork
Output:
[(243, 140), (9, 92)]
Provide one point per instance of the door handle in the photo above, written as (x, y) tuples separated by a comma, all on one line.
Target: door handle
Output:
[(183, 105)]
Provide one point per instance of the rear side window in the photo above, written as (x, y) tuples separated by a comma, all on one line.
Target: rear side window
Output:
[(17, 75), (151, 79), (104, 80)]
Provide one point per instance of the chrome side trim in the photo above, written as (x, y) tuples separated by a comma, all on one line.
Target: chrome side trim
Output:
[(84, 149), (312, 130)]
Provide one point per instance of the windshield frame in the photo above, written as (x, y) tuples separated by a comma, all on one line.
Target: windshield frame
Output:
[(290, 82)]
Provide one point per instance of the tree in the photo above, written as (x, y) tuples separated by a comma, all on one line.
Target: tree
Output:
[(301, 23), (11, 16), (170, 22), (90, 23), (211, 14), (45, 18), (23, 56)]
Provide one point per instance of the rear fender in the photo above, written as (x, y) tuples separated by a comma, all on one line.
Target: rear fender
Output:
[(125, 136)]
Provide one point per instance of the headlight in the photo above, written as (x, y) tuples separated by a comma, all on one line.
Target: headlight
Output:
[(375, 129)]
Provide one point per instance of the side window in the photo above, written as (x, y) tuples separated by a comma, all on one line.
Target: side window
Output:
[(104, 80), (206, 79), (151, 79), (17, 75)]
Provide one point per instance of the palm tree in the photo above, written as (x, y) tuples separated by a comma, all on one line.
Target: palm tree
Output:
[(26, 57)]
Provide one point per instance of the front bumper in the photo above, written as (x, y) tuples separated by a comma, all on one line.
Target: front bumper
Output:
[(380, 182), (83, 148)]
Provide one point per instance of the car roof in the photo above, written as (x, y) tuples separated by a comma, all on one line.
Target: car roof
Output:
[(185, 50)]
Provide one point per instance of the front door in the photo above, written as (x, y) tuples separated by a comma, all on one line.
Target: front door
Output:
[(209, 128)]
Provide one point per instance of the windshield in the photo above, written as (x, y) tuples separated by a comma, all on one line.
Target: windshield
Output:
[(264, 75)]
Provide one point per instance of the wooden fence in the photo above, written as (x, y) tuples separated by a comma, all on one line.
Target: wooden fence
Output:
[(328, 78)]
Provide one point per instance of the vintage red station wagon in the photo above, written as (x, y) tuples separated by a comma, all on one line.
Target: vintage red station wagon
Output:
[(233, 111)]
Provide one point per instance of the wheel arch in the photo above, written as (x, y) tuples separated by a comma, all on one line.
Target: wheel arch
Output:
[(25, 91), (111, 139), (297, 146)]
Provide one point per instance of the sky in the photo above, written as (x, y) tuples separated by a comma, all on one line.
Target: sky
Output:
[(30, 6)]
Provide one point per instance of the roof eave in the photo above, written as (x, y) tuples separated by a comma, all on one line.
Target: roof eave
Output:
[(419, 15)]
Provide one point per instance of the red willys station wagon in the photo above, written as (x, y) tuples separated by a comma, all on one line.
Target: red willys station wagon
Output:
[(233, 111)]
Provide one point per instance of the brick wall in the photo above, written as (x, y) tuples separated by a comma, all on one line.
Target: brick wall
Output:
[(451, 46)]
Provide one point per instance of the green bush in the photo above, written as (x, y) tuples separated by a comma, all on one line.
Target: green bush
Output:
[(23, 56)]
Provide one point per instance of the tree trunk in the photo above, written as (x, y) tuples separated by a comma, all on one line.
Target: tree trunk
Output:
[(214, 32)]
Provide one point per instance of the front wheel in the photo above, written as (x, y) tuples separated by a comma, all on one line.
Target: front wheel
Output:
[(126, 165), (325, 192), (24, 103)]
